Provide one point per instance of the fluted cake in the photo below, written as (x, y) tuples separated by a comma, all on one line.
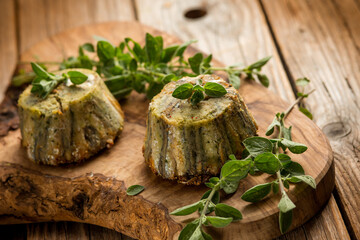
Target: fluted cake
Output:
[(191, 143), (72, 123)]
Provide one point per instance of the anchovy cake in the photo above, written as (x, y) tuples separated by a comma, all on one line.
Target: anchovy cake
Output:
[(72, 123), (190, 143)]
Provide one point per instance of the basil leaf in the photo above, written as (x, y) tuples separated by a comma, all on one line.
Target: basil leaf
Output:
[(186, 210), (257, 145), (285, 220), (40, 72), (285, 204), (294, 147), (304, 178), (271, 127), (195, 63), (234, 80), (301, 82), (77, 77), (134, 190), (267, 162), (105, 50), (306, 112), (259, 64), (213, 89), (223, 210), (197, 97), (257, 192), (183, 91), (219, 222)]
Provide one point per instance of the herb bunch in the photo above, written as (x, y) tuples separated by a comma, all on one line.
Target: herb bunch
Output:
[(44, 82), (261, 155), (146, 69), (195, 94)]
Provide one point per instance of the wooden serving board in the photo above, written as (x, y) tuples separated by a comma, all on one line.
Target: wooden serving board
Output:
[(95, 191)]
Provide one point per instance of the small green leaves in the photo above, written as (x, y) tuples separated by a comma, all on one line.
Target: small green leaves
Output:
[(306, 112), (302, 82), (285, 204), (285, 220), (77, 77), (134, 190), (257, 192), (186, 210), (223, 210), (196, 93), (294, 147), (304, 178), (267, 162), (183, 91), (257, 145), (234, 79), (105, 50), (219, 222), (272, 126), (191, 231), (88, 47), (40, 72), (195, 63), (259, 64), (214, 89), (231, 174)]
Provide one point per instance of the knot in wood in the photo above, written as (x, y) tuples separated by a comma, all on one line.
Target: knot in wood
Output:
[(336, 130)]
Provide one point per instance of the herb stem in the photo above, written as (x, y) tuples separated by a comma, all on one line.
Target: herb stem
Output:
[(213, 190), (296, 102)]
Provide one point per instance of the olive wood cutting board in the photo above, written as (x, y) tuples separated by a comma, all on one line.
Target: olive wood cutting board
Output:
[(95, 191)]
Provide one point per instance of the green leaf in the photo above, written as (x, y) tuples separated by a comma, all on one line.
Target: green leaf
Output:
[(205, 235), (257, 192), (151, 48), (197, 97), (284, 158), (168, 78), (183, 91), (271, 127), (40, 72), (264, 80), (214, 180), (301, 82), (186, 210), (304, 178), (215, 199), (133, 65), (285, 220), (294, 147), (219, 222), (88, 47), (198, 87), (259, 64), (257, 145), (285, 204), (306, 112), (286, 184), (213, 89), (77, 77), (287, 132), (223, 210), (153, 89), (137, 51), (231, 174), (292, 168), (134, 190), (275, 187), (168, 53), (300, 94), (180, 51), (206, 62), (189, 231), (234, 80), (105, 51), (195, 63), (267, 162)]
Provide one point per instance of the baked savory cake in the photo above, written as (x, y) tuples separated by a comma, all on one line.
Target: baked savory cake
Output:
[(72, 123), (191, 143)]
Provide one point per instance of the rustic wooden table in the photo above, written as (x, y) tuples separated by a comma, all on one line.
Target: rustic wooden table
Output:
[(312, 38)]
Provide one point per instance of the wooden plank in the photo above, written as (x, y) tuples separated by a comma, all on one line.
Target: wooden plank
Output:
[(39, 19), (328, 34), (244, 37), (8, 45), (58, 231)]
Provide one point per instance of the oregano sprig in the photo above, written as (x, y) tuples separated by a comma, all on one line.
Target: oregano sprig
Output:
[(195, 93), (146, 69), (45, 82), (260, 155)]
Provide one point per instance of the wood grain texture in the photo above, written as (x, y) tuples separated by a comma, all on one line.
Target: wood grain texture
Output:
[(8, 46), (329, 56), (242, 37), (94, 192), (39, 19)]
